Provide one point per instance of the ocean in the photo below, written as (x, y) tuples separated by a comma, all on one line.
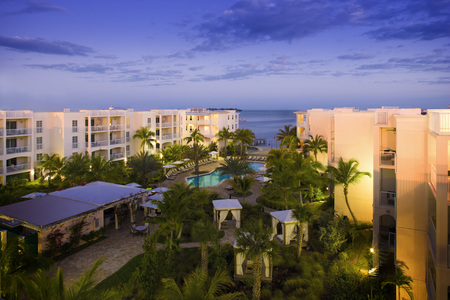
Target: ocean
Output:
[(266, 123)]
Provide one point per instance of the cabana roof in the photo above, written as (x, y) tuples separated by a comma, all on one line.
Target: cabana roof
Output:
[(99, 193), (284, 216), (225, 204), (46, 210)]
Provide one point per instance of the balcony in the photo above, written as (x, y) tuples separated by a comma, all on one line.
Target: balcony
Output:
[(99, 128), (18, 114), (432, 235), (116, 127), (99, 143), (166, 124), (13, 150), (387, 198), (17, 168), (166, 137), (439, 122), (116, 141), (387, 158), (117, 155), (21, 131)]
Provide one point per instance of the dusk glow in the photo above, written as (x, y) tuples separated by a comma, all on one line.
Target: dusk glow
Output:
[(286, 54)]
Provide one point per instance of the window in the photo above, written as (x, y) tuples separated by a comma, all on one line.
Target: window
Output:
[(74, 142), (157, 145), (11, 143), (157, 119), (39, 156), (127, 136), (149, 121), (39, 143), (38, 126), (232, 117), (86, 122), (74, 125), (11, 125), (232, 126)]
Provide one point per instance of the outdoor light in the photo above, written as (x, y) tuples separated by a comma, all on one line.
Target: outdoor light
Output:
[(371, 250)]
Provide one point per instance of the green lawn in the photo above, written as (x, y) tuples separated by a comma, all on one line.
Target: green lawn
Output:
[(123, 275)]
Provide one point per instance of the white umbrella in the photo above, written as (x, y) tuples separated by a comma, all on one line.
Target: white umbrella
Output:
[(213, 152), (169, 166), (187, 159), (263, 178), (150, 204), (160, 190), (178, 162), (34, 195), (262, 169), (158, 197), (133, 184)]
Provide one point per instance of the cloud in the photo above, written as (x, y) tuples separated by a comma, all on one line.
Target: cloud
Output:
[(43, 46), (74, 68), (36, 7), (421, 31), (355, 56)]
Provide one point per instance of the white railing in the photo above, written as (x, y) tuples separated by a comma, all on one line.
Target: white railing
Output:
[(22, 149), (166, 112), (166, 124), (116, 141), (166, 136), (99, 128), (439, 122), (387, 198), (387, 158), (20, 131), (18, 114), (116, 127), (16, 168), (381, 118), (38, 129), (117, 155), (99, 143)]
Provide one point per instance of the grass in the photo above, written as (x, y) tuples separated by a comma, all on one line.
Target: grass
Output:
[(123, 275), (358, 252)]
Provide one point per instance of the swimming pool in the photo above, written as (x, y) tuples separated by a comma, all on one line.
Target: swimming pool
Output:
[(214, 178)]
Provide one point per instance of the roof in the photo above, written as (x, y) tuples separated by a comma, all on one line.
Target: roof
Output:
[(284, 216), (46, 210), (99, 192), (226, 204)]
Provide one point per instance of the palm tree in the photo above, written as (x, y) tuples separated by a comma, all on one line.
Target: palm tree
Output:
[(315, 145), (275, 155), (284, 183), (303, 214), (99, 168), (146, 136), (225, 135), (345, 174), (197, 286), (195, 137), (143, 166), (243, 185), (291, 142), (235, 167), (401, 280), (77, 167), (53, 165), (245, 138), (196, 150), (288, 130), (204, 231), (254, 241)]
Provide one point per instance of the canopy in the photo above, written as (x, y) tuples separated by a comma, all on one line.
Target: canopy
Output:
[(133, 184), (34, 195), (169, 166), (150, 204), (178, 162), (263, 178), (187, 159), (213, 152), (221, 209), (160, 190), (158, 197)]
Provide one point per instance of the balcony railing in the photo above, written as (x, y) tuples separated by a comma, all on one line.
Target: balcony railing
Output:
[(12, 150), (99, 143), (387, 198), (116, 127), (99, 128), (439, 122), (116, 141), (21, 131), (448, 256), (18, 114), (166, 137), (166, 124), (16, 168), (387, 158), (117, 155), (176, 124)]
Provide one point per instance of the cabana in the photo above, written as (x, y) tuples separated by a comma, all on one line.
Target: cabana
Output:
[(244, 267), (288, 226), (221, 209)]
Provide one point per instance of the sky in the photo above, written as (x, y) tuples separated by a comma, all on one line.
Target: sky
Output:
[(248, 54)]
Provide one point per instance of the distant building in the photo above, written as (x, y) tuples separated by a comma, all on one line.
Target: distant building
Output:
[(407, 198)]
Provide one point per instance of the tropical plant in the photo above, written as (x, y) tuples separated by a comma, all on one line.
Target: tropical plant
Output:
[(244, 137), (284, 183), (76, 169), (235, 167), (346, 174), (288, 130), (401, 280), (195, 137), (243, 185), (315, 144), (99, 168), (197, 286), (291, 142), (52, 165), (174, 152), (197, 150), (333, 235), (143, 166), (303, 214), (224, 135), (254, 240), (203, 232), (146, 136)]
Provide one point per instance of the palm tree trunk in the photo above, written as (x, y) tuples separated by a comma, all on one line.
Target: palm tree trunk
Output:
[(348, 206), (257, 266), (226, 146), (204, 258), (299, 240)]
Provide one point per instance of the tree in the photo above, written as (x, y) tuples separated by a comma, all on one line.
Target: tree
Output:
[(197, 286), (288, 130), (195, 137), (401, 280), (333, 235), (146, 136), (99, 168), (243, 185), (53, 165), (345, 174), (255, 240), (245, 138), (284, 182), (291, 142), (197, 150), (77, 167), (315, 145), (303, 214), (225, 135), (204, 231), (235, 167), (144, 165)]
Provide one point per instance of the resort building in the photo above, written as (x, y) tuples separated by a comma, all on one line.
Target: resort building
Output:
[(25, 135), (407, 199)]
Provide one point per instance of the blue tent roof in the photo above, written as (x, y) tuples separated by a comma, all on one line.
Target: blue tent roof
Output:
[(99, 193), (46, 210)]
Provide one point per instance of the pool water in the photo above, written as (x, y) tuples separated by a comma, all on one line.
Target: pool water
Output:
[(214, 178)]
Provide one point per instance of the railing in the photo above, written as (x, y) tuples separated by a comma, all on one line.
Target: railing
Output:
[(99, 128), (86, 144), (16, 168), (18, 114), (22, 149), (166, 112), (38, 146), (116, 141), (38, 129), (99, 143), (301, 124), (432, 235), (74, 129), (166, 136), (21, 131), (387, 198), (175, 123), (431, 287), (117, 155), (116, 127), (166, 124), (381, 118), (74, 145), (440, 122), (1, 170), (433, 177), (387, 158)]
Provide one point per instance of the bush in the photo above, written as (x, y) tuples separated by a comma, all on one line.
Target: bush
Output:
[(93, 235)]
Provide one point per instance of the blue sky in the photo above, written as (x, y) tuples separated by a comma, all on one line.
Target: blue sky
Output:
[(287, 54)]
